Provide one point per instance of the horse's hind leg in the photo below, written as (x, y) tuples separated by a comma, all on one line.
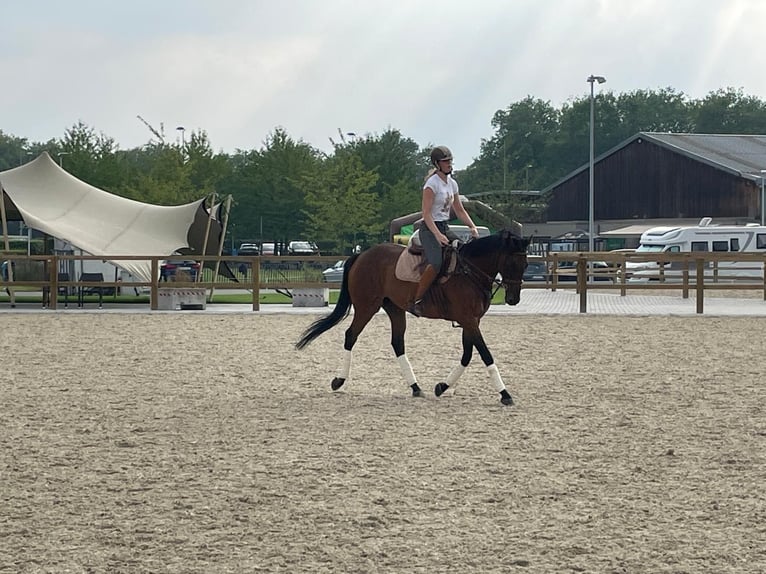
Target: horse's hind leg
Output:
[(398, 320), (358, 324)]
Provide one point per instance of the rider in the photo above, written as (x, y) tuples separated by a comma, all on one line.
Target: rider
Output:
[(440, 194)]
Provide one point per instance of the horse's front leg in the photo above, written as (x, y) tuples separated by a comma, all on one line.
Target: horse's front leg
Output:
[(457, 372), (494, 375), (473, 333)]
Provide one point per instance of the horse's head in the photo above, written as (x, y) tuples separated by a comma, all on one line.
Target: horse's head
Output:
[(513, 262)]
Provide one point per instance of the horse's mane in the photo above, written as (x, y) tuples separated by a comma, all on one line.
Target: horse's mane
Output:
[(503, 240)]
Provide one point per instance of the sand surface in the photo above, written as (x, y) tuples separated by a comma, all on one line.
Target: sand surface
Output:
[(200, 443)]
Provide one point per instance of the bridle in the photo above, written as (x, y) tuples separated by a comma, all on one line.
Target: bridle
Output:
[(484, 280)]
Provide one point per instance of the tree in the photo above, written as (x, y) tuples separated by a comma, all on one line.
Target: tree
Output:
[(341, 204)]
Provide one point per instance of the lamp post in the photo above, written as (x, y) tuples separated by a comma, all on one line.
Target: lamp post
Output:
[(183, 136), (183, 142), (763, 199), (526, 177), (591, 80), (61, 155)]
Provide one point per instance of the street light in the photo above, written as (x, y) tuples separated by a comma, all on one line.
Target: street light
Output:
[(183, 138), (763, 199), (61, 154), (591, 80)]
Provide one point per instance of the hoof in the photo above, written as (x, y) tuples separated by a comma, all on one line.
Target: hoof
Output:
[(505, 398), (416, 391), (440, 388), (337, 383)]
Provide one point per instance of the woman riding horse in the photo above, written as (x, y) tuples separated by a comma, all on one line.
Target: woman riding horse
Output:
[(370, 282)]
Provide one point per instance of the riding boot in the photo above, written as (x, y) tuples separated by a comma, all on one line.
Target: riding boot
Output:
[(429, 274)]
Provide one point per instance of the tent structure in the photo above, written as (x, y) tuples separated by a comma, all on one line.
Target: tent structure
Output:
[(51, 200)]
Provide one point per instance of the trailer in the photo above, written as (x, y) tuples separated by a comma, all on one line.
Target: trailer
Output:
[(704, 237)]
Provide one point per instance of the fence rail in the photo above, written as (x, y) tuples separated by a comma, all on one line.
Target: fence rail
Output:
[(685, 272)]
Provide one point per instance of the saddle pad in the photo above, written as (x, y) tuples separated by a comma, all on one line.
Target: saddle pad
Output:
[(409, 267)]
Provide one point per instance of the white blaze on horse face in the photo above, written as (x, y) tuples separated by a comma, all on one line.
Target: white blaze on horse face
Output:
[(407, 372), (495, 378), (346, 367)]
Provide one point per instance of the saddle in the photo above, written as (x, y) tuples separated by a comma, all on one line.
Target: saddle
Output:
[(412, 262)]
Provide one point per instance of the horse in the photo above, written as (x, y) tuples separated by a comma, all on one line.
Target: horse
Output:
[(369, 283)]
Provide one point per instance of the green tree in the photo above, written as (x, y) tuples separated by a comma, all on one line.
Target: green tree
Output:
[(265, 186), (341, 205)]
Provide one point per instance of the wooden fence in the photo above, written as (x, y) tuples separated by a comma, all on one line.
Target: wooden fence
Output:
[(685, 272)]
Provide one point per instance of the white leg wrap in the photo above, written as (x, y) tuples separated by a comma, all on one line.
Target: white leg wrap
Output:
[(346, 367), (456, 373), (407, 373), (494, 378)]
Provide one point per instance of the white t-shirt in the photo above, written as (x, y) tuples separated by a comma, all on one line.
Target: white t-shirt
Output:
[(444, 194)]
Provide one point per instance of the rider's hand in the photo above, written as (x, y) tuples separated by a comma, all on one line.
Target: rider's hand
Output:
[(442, 239), (474, 232)]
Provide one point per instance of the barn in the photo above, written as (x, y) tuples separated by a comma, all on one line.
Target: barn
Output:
[(653, 178)]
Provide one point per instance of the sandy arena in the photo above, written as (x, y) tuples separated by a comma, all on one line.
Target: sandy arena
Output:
[(202, 443)]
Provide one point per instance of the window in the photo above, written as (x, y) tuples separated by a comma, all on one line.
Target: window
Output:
[(760, 241), (734, 244), (720, 245), (699, 246)]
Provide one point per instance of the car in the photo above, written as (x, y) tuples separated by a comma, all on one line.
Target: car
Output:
[(248, 249), (268, 249), (302, 248), (602, 271), (170, 268), (334, 274), (536, 271)]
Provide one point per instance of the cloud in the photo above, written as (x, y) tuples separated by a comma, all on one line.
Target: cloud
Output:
[(436, 71)]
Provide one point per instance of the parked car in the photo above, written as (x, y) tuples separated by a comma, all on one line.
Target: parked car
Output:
[(268, 249), (302, 248), (171, 267), (602, 271), (248, 249), (536, 271), (334, 274)]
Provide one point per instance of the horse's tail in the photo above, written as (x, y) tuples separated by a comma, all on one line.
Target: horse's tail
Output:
[(341, 311)]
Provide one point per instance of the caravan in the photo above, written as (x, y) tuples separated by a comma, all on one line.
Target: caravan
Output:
[(706, 236)]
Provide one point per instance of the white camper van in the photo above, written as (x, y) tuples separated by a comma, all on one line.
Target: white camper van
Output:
[(705, 236)]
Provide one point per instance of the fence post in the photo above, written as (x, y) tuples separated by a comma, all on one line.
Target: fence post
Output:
[(700, 284), (763, 270), (582, 282), (154, 290), (53, 283), (623, 278), (255, 266)]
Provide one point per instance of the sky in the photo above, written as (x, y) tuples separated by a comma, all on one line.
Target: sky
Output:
[(436, 71)]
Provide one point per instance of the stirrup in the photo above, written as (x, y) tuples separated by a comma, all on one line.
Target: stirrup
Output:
[(415, 308)]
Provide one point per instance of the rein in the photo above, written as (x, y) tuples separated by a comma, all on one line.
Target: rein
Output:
[(482, 279)]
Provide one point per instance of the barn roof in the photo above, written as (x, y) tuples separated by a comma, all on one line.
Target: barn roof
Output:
[(739, 154)]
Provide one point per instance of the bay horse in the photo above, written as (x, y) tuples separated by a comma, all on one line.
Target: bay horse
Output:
[(369, 283)]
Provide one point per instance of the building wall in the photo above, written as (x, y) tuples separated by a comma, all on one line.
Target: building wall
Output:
[(646, 181)]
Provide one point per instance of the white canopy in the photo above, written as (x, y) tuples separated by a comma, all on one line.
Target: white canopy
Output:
[(54, 201)]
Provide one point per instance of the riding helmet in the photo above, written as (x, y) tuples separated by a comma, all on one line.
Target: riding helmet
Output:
[(440, 153)]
